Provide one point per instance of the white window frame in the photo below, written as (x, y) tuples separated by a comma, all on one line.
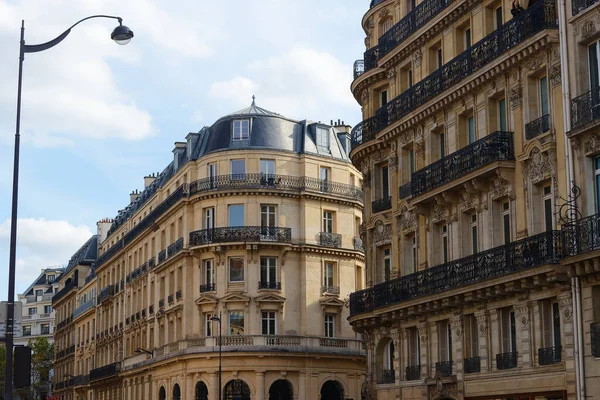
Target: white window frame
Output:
[(268, 316), (267, 166), (239, 133), (237, 160), (329, 325), (387, 264), (268, 211), (209, 218), (268, 267), (211, 170), (322, 137), (325, 174), (328, 221), (209, 272), (230, 314), (329, 273), (229, 269)]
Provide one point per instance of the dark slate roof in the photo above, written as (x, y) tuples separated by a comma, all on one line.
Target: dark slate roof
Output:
[(86, 255), (42, 279), (268, 131)]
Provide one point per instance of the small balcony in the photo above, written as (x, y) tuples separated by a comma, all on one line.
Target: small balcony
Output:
[(359, 68), (413, 372), (106, 293), (162, 256), (497, 146), (444, 368), (506, 360), (175, 248), (161, 304), (330, 290), (106, 371), (595, 338), (581, 236), (207, 287), (405, 191), (63, 292), (269, 285), (585, 109), (380, 205), (170, 298), (358, 244), (328, 239), (537, 127), (241, 234), (472, 365), (386, 376), (178, 295), (549, 355), (579, 5)]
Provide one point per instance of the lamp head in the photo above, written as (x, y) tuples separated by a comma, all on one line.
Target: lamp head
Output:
[(121, 34), (215, 318)]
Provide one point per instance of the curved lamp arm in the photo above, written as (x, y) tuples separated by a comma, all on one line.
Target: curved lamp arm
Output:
[(45, 46)]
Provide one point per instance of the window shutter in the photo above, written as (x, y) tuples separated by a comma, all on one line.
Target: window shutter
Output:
[(546, 323), (443, 341), (505, 321), (474, 337), (468, 339)]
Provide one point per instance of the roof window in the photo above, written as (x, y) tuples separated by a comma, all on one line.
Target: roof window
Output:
[(323, 139), (241, 129)]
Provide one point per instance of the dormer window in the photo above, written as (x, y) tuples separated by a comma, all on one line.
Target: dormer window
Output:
[(50, 278), (323, 139), (241, 129)]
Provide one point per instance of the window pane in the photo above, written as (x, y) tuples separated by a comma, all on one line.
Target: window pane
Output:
[(544, 107), (467, 38), (236, 215), (236, 270), (238, 167), (236, 322), (502, 114), (498, 17), (385, 185), (324, 174), (471, 129), (593, 60), (506, 223), (474, 239), (548, 214), (442, 146), (267, 167)]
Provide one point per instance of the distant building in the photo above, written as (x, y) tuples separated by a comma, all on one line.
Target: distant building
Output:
[(37, 314), (17, 329)]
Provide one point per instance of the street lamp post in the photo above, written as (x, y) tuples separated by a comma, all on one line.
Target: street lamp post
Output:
[(121, 35), (218, 319)]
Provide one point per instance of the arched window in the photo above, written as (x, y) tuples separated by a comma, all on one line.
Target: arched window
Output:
[(280, 390), (385, 361), (176, 392), (236, 390), (332, 390), (162, 393), (201, 391), (385, 25)]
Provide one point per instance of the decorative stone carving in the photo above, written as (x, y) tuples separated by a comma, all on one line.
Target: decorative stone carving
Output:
[(364, 97), (406, 137), (540, 166), (442, 390), (392, 161), (592, 144), (588, 29), (382, 234), (384, 13), (516, 97), (417, 57), (500, 187), (535, 63), (440, 213), (407, 221), (391, 75), (555, 75), (366, 179)]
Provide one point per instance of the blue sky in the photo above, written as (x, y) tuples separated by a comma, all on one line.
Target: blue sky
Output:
[(97, 117)]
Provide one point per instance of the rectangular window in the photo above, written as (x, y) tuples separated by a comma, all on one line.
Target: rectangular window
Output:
[(39, 292), (471, 337), (26, 330), (48, 309), (502, 114), (324, 174), (594, 66), (267, 167), (544, 105), (499, 20), (208, 327), (414, 253), (268, 216), (506, 233), (45, 329), (238, 169), (269, 323), (409, 78), (268, 270), (440, 59), (328, 221), (241, 129), (236, 322), (32, 310), (51, 278), (328, 274), (445, 333), (597, 181), (467, 38), (236, 269), (209, 272), (442, 145), (236, 215), (323, 138), (411, 160), (414, 347), (547, 199), (385, 182), (508, 330), (212, 170), (444, 244), (471, 129), (387, 264), (383, 98), (474, 234), (329, 325), (209, 218)]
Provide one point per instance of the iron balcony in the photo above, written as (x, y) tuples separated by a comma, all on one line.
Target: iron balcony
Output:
[(106, 293), (506, 360), (517, 256), (208, 287), (413, 372), (106, 371), (581, 236), (241, 234), (472, 365), (387, 376), (380, 205), (549, 355), (444, 368), (269, 285), (537, 127), (539, 16), (328, 239)]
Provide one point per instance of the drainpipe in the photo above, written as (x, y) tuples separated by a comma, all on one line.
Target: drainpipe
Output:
[(575, 284)]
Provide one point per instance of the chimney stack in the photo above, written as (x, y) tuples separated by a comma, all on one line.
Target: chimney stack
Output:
[(149, 179), (134, 195), (102, 228)]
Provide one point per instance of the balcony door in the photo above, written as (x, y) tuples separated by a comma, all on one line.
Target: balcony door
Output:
[(268, 221)]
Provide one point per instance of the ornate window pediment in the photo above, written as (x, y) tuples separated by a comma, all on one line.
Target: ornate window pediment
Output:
[(331, 305)]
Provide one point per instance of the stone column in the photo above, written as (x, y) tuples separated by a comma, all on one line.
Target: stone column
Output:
[(484, 347), (494, 325), (260, 385), (567, 340), (214, 385), (422, 328), (457, 346), (128, 390), (404, 360), (147, 383), (433, 347), (523, 328), (189, 386), (516, 104), (302, 385), (536, 322), (396, 335)]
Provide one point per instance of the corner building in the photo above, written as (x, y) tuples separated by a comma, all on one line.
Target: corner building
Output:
[(462, 149), (255, 221)]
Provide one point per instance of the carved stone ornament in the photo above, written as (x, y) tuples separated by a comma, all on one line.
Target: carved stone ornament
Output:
[(364, 97), (417, 57), (393, 162), (588, 29), (540, 166), (592, 144), (500, 187), (366, 178), (535, 63), (442, 390), (406, 137), (440, 213), (382, 234), (524, 321), (384, 13), (407, 221), (482, 329), (391, 75), (516, 97), (555, 75), (568, 314)]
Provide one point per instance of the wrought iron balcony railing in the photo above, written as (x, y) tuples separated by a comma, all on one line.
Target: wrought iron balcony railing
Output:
[(405, 190), (444, 368), (472, 365), (62, 292), (330, 289), (359, 68), (207, 287), (161, 303), (241, 234), (178, 295), (330, 239), (579, 5), (381, 205), (269, 285), (151, 309), (387, 376), (106, 371), (539, 16), (537, 127), (84, 307), (517, 256), (595, 338), (175, 248), (370, 58), (151, 263), (506, 360), (549, 355), (162, 256), (106, 293), (81, 380), (413, 372), (358, 244), (581, 236), (170, 299), (375, 2), (497, 146), (585, 109)]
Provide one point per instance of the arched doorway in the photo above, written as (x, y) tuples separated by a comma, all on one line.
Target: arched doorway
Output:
[(176, 392), (332, 390), (280, 390), (201, 391), (236, 390), (162, 393)]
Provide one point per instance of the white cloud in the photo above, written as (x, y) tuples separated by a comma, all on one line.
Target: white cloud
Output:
[(302, 82), (42, 243)]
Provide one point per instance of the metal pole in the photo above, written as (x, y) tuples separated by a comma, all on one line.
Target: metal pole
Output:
[(220, 356), (10, 306)]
